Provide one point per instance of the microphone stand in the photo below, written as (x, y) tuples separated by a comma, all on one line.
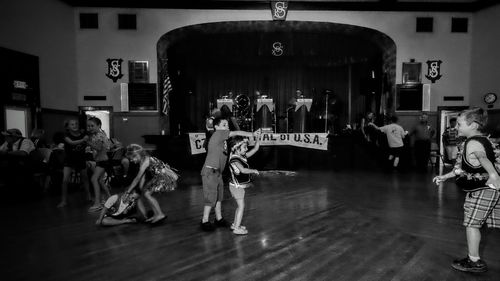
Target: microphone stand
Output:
[(326, 113), (287, 120)]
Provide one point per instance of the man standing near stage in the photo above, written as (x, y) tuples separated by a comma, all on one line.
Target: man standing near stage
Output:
[(423, 133)]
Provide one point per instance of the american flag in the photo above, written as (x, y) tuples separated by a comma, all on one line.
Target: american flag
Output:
[(167, 88)]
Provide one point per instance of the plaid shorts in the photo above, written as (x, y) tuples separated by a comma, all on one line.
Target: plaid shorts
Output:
[(482, 206)]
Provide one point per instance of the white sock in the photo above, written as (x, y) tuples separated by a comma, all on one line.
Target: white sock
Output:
[(474, 259)]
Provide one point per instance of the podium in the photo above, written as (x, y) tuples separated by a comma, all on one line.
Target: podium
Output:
[(301, 115), (264, 114), (225, 102)]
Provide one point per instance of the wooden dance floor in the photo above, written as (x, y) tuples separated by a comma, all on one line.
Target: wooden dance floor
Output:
[(314, 225)]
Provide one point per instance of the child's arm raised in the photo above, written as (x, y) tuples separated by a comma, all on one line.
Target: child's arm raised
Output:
[(244, 133), (256, 147), (140, 174)]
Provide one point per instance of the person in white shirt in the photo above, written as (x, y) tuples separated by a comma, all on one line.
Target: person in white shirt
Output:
[(395, 135), (15, 144), (14, 156)]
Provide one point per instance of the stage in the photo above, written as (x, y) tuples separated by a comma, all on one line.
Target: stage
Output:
[(312, 225)]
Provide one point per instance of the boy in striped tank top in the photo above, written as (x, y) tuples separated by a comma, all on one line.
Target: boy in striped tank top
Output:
[(476, 174)]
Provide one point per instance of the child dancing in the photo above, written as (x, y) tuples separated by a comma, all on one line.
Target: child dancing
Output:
[(153, 176), (240, 177), (99, 145), (211, 173), (74, 149), (476, 174)]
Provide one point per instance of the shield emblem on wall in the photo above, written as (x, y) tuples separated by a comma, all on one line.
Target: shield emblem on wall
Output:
[(279, 9), (433, 70), (114, 69)]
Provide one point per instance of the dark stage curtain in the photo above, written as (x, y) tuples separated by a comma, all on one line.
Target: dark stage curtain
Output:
[(279, 81)]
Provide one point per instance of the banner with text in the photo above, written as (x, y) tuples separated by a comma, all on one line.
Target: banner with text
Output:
[(306, 140)]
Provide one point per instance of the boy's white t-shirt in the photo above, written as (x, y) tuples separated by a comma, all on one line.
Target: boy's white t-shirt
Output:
[(395, 134)]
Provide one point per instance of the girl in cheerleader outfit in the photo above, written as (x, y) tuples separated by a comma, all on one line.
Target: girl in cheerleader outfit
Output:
[(153, 176), (240, 177)]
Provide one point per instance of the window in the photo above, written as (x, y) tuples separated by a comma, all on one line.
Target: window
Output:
[(127, 21), (138, 71), (89, 21), (425, 24), (459, 25)]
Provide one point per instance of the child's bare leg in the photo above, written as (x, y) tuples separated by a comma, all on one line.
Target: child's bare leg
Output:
[(396, 161), (104, 186), (46, 184), (107, 221), (218, 210), (158, 214), (206, 213), (64, 186), (142, 209), (98, 172), (84, 177), (473, 240), (238, 215)]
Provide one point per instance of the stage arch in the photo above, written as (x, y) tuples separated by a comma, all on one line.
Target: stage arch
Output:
[(205, 61)]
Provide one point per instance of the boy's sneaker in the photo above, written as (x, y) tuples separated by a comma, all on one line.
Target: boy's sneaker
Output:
[(207, 226), (469, 266), (240, 231), (233, 227), (221, 223)]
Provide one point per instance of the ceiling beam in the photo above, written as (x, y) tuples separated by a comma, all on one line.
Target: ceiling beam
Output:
[(381, 5)]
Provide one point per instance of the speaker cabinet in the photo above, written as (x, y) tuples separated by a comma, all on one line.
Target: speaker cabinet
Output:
[(415, 97), (142, 97)]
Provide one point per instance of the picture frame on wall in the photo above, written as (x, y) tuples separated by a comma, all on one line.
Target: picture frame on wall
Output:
[(412, 73)]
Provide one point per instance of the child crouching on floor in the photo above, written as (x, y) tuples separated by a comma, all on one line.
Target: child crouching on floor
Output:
[(121, 209)]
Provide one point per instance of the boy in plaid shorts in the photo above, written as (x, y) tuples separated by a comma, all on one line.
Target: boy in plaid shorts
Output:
[(476, 174)]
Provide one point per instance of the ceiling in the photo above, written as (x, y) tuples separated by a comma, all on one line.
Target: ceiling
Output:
[(357, 5)]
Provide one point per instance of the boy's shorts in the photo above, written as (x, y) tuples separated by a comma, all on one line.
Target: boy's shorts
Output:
[(482, 206), (237, 193), (213, 186), (396, 151)]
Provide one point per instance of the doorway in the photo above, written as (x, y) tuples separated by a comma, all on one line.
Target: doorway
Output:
[(19, 118), (101, 112), (445, 114)]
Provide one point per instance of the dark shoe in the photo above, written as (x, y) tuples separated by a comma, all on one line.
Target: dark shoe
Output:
[(469, 266), (207, 226), (222, 223)]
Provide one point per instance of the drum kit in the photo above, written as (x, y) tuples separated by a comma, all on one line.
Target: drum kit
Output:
[(250, 116), (261, 112)]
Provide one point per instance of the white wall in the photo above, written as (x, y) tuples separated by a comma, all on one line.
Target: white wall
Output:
[(485, 66), (95, 46), (73, 61), (44, 28)]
